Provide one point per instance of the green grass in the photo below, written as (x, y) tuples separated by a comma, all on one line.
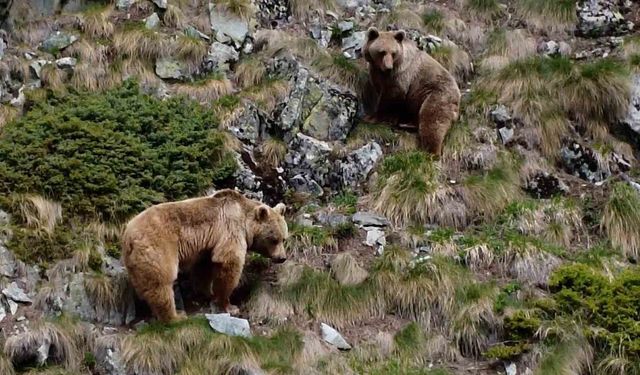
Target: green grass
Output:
[(433, 20), (347, 201), (108, 156)]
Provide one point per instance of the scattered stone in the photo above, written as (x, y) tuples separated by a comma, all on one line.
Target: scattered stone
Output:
[(376, 238), (107, 353), (272, 12), (544, 185), (7, 262), (333, 337), (124, 4), (152, 21), (36, 68), (13, 306), (66, 63), (20, 318), (368, 219), (345, 26), (58, 41), (321, 34), (352, 45), (353, 170), (511, 369), (15, 293), (601, 18), (632, 119), (304, 220), (583, 162), (162, 4), (192, 32), (228, 325), (228, 27), (220, 57), (168, 68), (331, 219), (3, 46), (249, 124)]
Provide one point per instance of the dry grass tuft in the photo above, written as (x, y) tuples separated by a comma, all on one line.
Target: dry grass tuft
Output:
[(53, 78), (475, 319), (174, 17), (90, 77), (106, 293), (40, 213), (337, 68), (241, 8), (105, 231), (455, 60), (84, 51), (7, 114), (273, 151), (530, 264), (621, 219), (150, 354), (551, 16), (96, 24), (409, 190), (506, 47), (302, 9), (268, 94), (142, 44), (191, 50), (571, 357), (557, 221), (249, 72), (264, 307), (205, 91), (346, 270), (6, 367), (61, 343)]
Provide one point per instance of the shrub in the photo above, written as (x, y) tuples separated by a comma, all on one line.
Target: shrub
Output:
[(110, 155)]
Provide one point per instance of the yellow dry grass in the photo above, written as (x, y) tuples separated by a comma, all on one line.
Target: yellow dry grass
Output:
[(40, 213), (272, 152), (96, 24)]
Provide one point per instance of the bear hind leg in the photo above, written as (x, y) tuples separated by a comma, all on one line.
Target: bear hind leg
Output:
[(435, 119)]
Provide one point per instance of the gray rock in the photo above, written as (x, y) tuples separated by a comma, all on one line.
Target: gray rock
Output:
[(15, 293), (168, 68), (152, 21), (333, 337), (3, 312), (228, 27), (511, 369), (304, 220), (66, 63), (332, 117), (368, 219), (107, 353), (124, 4), (601, 18), (352, 45), (58, 41), (306, 163), (291, 113), (7, 262), (321, 34), (345, 26), (500, 115), (162, 4), (506, 135), (376, 238), (272, 12), (245, 179), (353, 170), (195, 33), (632, 120), (220, 56), (545, 185), (228, 325), (3, 46), (13, 306), (332, 219), (582, 161), (250, 125), (36, 68)]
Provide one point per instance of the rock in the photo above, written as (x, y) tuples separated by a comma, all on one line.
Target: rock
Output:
[(352, 45), (228, 325), (220, 57), (353, 170), (152, 21), (3, 46), (333, 337), (249, 124), (544, 185), (321, 34), (15, 293), (66, 63), (304, 220), (368, 219), (36, 68), (245, 179), (107, 353), (195, 33), (124, 4), (167, 68), (3, 313), (306, 164), (162, 4), (601, 18), (332, 219), (7, 262), (511, 369), (272, 12), (13, 306), (632, 120), (376, 239), (583, 162), (228, 27), (553, 48), (58, 41), (506, 135)]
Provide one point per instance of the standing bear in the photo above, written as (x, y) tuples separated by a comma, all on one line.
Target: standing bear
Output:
[(411, 87), (181, 236)]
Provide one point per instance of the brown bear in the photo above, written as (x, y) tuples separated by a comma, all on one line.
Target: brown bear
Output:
[(177, 236), (411, 87)]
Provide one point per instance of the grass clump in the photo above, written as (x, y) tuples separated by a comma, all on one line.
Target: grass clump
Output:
[(548, 15), (347, 201), (486, 8), (433, 20), (108, 156), (621, 219)]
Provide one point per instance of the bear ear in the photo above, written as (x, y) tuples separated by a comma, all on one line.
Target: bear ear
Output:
[(262, 213), (280, 208), (400, 35), (372, 33)]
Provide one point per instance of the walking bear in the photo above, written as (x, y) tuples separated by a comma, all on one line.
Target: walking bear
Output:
[(171, 237)]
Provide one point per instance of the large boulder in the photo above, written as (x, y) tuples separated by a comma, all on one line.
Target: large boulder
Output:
[(58, 41), (601, 18), (352, 171), (306, 164), (632, 119)]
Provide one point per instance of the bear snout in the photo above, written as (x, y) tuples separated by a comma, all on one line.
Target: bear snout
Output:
[(279, 260)]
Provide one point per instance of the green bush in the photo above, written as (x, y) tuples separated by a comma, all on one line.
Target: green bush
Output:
[(110, 155)]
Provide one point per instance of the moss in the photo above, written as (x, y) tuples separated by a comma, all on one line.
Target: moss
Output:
[(506, 352), (108, 156), (347, 201)]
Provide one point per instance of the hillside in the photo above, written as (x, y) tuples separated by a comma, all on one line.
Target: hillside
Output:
[(515, 252)]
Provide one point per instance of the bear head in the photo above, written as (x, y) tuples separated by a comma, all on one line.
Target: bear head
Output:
[(269, 231), (383, 50)]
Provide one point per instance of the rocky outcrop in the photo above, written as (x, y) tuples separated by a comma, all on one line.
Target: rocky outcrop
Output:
[(602, 17)]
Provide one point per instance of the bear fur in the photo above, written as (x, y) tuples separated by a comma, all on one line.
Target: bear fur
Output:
[(205, 237), (411, 87)]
